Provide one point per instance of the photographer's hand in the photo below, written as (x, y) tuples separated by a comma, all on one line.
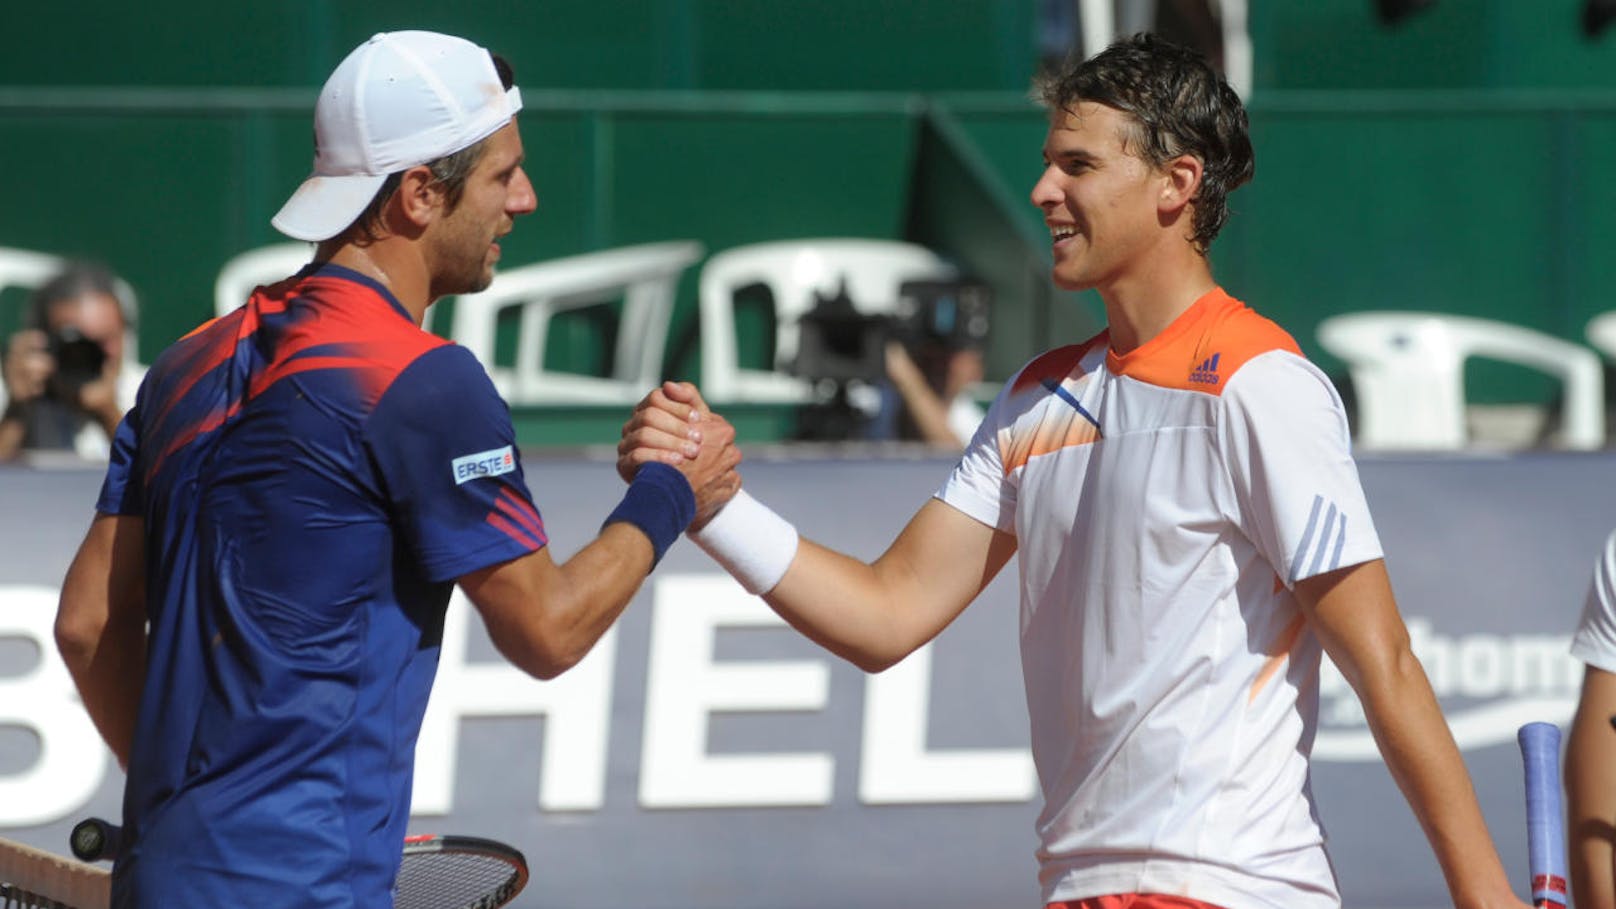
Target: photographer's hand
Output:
[(26, 369), (28, 366)]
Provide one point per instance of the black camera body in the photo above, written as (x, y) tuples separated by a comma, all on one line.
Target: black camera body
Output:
[(836, 342), (839, 343), (79, 361)]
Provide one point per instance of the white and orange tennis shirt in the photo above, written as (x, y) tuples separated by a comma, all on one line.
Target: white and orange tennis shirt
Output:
[(1165, 502)]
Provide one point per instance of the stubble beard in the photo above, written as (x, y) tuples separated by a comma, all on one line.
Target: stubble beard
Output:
[(480, 280), (471, 273)]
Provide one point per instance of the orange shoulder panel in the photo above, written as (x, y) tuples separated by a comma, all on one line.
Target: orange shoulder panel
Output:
[(1204, 346)]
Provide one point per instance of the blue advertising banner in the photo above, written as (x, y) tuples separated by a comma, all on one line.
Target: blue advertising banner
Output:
[(705, 755)]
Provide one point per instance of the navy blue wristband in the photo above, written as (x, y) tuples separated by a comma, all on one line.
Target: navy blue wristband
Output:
[(660, 503)]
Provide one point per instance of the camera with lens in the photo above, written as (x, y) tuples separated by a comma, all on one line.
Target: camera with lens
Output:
[(842, 349), (838, 342), (942, 315), (79, 361)]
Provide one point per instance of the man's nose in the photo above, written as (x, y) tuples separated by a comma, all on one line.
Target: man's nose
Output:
[(1044, 191), (522, 200)]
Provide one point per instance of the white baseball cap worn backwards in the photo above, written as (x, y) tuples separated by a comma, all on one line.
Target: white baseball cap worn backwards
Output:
[(399, 100)]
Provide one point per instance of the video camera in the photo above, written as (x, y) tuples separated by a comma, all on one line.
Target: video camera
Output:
[(839, 343), (842, 350)]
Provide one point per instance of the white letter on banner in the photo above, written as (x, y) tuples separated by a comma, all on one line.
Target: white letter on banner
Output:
[(896, 768), (576, 708), (684, 685), (72, 758)]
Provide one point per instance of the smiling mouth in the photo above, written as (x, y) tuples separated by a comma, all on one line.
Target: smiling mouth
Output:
[(1059, 232)]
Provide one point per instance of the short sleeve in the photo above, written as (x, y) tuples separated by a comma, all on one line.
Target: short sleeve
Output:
[(979, 485), (442, 440), (1284, 439), (1595, 640), (122, 491)]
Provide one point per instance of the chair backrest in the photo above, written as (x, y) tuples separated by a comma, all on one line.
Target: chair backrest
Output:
[(645, 278), (794, 271), (27, 269), (1408, 371), (1601, 332), (244, 272)]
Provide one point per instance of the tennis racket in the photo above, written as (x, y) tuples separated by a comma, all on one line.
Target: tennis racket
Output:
[(1545, 826), (31, 878), (458, 872), (436, 872)]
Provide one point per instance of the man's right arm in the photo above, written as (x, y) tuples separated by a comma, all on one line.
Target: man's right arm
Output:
[(101, 627), (871, 614), (544, 616), (1590, 776), (875, 614)]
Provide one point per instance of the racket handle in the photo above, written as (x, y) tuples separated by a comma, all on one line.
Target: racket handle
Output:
[(94, 840), (1545, 834)]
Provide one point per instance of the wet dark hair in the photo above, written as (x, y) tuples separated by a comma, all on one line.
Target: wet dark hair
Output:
[(1178, 105), (449, 171)]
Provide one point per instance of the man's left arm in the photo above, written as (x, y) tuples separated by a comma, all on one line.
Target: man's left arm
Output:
[(1356, 617), (1590, 781), (101, 626)]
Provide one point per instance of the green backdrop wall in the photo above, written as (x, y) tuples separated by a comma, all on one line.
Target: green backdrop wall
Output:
[(1452, 162)]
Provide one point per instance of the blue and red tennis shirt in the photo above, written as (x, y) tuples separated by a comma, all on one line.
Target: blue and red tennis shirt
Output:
[(314, 471)]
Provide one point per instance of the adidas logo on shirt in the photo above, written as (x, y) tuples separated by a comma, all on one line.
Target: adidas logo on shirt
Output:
[(1207, 372)]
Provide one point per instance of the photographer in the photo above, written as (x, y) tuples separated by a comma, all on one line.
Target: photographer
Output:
[(62, 370), (899, 374), (933, 385), (932, 361)]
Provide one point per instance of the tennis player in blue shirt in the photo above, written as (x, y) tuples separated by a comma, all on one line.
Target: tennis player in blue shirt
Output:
[(253, 619)]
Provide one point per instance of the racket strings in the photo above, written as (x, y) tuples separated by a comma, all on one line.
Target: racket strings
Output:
[(13, 897), (454, 880)]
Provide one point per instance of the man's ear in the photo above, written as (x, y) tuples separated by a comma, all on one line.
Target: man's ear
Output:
[(419, 196), (1183, 181)]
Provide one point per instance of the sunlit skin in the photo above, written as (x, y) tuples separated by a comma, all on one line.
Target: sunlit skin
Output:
[(1119, 225), (465, 245), (422, 249)]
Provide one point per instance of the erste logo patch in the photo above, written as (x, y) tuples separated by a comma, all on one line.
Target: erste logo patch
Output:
[(489, 463)]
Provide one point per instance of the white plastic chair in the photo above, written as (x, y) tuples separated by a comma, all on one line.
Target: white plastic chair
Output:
[(644, 277), (793, 270), (1408, 371), (1601, 332), (27, 269), (244, 272)]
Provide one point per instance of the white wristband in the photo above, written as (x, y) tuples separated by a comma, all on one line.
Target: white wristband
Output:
[(754, 544)]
